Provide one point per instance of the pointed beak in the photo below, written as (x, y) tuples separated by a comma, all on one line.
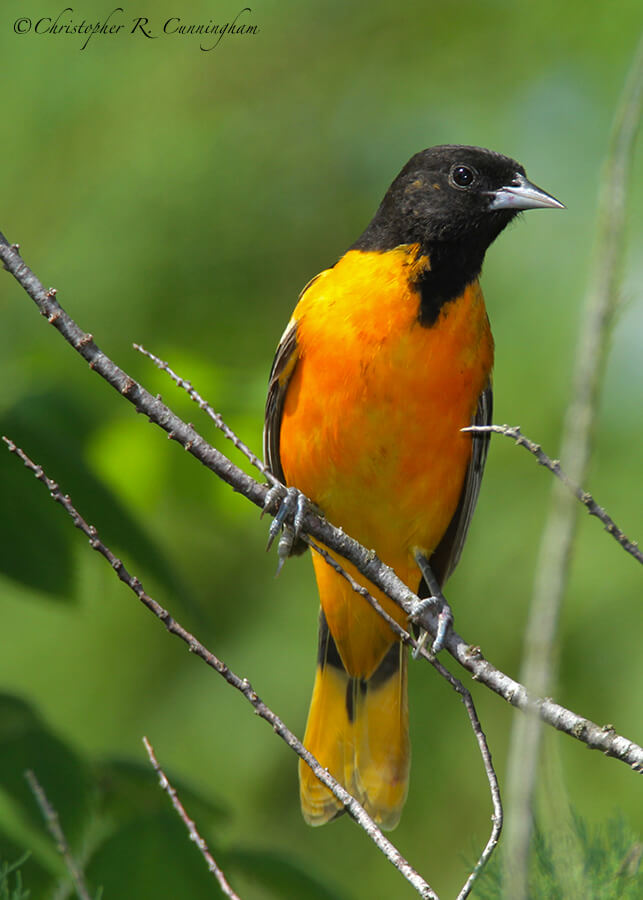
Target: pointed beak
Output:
[(522, 194)]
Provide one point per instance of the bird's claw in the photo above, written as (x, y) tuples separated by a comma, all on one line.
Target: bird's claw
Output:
[(445, 621), (435, 601), (294, 503), (272, 496)]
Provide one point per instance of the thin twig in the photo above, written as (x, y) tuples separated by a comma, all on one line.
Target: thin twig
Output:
[(498, 816), (175, 628), (189, 824), (52, 821), (514, 432), (510, 431), (512, 691), (352, 807), (142, 400), (552, 567), (365, 561), (468, 656), (216, 417), (467, 699), (395, 626)]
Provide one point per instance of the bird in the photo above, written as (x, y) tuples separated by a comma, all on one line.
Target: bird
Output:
[(387, 357)]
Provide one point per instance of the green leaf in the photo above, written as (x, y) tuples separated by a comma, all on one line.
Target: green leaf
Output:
[(37, 540), (27, 743), (130, 789), (152, 856), (34, 536), (11, 879), (281, 874)]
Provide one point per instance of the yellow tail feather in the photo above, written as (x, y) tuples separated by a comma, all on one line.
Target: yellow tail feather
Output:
[(358, 730)]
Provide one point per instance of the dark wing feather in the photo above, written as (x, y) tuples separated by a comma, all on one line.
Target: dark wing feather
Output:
[(446, 555), (282, 368), (280, 374)]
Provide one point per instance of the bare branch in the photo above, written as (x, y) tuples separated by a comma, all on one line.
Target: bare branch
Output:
[(467, 699), (142, 400), (366, 562), (514, 432), (215, 416), (189, 824), (175, 628), (352, 807), (552, 567), (550, 712), (468, 656), (497, 817), (596, 737), (55, 828)]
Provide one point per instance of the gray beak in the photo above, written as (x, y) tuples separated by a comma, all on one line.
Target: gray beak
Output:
[(522, 194)]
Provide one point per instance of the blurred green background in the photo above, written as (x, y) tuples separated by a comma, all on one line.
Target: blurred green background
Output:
[(181, 199)]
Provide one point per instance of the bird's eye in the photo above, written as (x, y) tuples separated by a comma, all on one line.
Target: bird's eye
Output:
[(462, 176)]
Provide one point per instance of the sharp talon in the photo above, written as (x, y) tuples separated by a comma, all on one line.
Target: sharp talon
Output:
[(283, 548), (275, 527), (271, 538), (281, 514)]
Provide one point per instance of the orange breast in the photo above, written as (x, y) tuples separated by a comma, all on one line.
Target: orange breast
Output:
[(372, 417)]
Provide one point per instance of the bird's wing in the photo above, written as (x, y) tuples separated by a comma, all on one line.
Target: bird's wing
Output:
[(446, 555), (282, 368)]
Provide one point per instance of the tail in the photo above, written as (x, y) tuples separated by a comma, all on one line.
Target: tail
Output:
[(358, 730)]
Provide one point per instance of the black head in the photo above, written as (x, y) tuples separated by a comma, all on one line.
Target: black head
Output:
[(453, 193), (453, 201)]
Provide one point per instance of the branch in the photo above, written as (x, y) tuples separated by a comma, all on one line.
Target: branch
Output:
[(551, 713), (189, 824), (216, 417), (419, 650), (175, 628), (552, 567), (469, 657), (514, 432), (53, 824), (352, 807), (380, 575), (365, 561)]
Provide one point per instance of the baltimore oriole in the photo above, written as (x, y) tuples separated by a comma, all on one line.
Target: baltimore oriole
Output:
[(387, 356)]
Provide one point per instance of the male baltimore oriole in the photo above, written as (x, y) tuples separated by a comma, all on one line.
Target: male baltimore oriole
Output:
[(387, 357)]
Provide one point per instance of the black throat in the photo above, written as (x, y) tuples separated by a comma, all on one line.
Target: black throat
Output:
[(452, 267)]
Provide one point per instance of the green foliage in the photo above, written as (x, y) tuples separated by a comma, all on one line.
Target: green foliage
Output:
[(120, 826), (11, 887), (281, 876), (44, 419), (599, 862), (27, 743), (182, 199)]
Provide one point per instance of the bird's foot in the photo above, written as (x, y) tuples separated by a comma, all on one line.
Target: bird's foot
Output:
[(436, 602), (445, 621), (293, 502)]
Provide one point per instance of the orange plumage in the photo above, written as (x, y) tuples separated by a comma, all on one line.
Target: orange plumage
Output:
[(371, 431), (387, 357)]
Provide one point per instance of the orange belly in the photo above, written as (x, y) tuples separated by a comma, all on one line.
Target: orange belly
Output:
[(371, 422)]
